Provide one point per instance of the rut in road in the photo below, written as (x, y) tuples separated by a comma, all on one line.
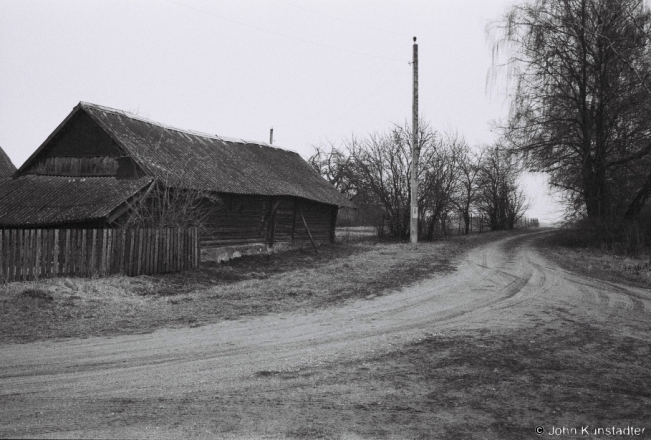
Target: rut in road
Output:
[(497, 285)]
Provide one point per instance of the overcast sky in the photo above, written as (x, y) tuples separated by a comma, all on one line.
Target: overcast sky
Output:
[(315, 70)]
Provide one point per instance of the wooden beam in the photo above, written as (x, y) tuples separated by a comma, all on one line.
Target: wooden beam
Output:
[(271, 228), (294, 218), (130, 205), (333, 223), (309, 234)]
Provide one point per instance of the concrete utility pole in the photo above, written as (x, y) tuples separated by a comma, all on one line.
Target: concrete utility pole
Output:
[(415, 153)]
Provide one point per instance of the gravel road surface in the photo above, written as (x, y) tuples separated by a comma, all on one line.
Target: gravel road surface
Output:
[(70, 388)]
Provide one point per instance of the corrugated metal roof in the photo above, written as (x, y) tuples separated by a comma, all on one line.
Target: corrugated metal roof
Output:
[(49, 200), (7, 168), (197, 160)]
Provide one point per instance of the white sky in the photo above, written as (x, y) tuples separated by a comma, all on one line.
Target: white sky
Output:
[(315, 70)]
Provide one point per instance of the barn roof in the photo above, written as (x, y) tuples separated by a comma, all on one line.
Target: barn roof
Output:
[(189, 159), (33, 200), (7, 168)]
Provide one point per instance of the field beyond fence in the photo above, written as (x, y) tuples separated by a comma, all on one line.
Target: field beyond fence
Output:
[(38, 253)]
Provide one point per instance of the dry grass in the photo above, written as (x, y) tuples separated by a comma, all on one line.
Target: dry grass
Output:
[(248, 286), (496, 385), (595, 262), (252, 285)]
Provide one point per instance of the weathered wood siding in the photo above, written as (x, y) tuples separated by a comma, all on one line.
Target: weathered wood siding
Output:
[(82, 148), (239, 220), (318, 218), (75, 166), (35, 253), (248, 219)]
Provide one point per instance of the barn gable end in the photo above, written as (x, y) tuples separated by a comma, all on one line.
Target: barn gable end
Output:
[(78, 148)]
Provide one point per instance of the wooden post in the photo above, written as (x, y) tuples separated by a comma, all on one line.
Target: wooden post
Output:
[(123, 249), (156, 247), (197, 243), (3, 258), (132, 242), (18, 253), (141, 233), (166, 237), (84, 254), (110, 265), (56, 269), (93, 252), (12, 254), (271, 226), (177, 245), (39, 253), (294, 218), (308, 230), (415, 151), (333, 223), (66, 251), (29, 269)]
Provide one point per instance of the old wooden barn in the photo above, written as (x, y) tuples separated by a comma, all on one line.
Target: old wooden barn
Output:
[(102, 165)]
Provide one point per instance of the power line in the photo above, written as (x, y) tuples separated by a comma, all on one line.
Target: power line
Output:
[(325, 109), (283, 35), (366, 98), (341, 19)]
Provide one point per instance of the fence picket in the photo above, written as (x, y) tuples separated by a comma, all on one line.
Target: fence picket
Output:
[(37, 254), (34, 253), (109, 250), (21, 247), (3, 243), (123, 249), (45, 264), (12, 254)]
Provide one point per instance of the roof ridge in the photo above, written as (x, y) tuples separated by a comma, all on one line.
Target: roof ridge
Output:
[(126, 114)]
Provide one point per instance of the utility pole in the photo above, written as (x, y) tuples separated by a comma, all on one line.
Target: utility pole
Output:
[(271, 136), (415, 152)]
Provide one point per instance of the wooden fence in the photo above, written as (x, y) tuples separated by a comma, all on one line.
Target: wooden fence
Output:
[(37, 253)]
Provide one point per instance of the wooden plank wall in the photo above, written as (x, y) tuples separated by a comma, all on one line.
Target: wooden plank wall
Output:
[(318, 218), (75, 166), (38, 253), (245, 219), (240, 221)]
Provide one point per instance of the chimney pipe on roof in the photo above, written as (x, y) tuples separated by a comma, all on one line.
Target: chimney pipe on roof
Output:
[(271, 136)]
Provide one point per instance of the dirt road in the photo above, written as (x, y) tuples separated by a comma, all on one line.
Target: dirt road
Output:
[(80, 388)]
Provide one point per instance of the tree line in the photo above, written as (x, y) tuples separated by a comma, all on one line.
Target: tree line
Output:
[(454, 180), (579, 78)]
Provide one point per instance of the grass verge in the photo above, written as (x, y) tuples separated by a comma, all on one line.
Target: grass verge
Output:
[(597, 263), (248, 286)]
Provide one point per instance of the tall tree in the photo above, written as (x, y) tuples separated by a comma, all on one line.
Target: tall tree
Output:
[(499, 197), (467, 190), (581, 107)]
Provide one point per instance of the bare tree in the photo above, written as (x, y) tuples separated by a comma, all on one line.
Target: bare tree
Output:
[(165, 206), (451, 179), (440, 183), (466, 192), (334, 164), (175, 199), (500, 199), (581, 109)]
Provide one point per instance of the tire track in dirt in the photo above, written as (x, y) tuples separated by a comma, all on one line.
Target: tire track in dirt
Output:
[(497, 284)]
